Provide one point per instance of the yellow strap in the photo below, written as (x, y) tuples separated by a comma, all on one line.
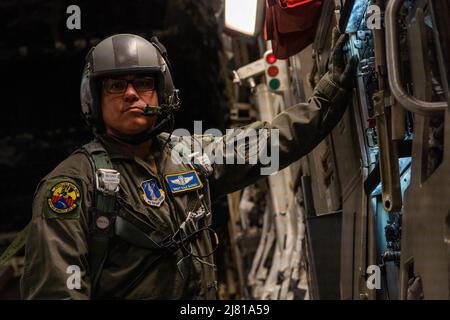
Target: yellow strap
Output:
[(15, 246)]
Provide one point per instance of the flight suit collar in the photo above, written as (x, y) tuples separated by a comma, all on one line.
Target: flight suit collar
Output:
[(115, 151), (113, 148), (160, 151)]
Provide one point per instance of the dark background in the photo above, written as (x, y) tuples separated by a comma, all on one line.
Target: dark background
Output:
[(41, 62)]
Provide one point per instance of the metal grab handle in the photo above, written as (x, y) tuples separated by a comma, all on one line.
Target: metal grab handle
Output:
[(410, 103)]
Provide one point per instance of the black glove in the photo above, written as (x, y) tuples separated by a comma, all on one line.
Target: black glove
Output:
[(338, 72), (337, 82), (334, 89)]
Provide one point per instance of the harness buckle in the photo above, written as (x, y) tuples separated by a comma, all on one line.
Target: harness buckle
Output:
[(107, 181)]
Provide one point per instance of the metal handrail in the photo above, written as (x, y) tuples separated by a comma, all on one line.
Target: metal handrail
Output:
[(409, 102)]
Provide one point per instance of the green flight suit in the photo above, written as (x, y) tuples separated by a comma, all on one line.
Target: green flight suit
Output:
[(59, 240)]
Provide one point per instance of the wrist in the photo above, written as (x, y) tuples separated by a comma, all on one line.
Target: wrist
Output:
[(331, 91)]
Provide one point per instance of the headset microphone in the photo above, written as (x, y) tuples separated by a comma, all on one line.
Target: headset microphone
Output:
[(151, 110)]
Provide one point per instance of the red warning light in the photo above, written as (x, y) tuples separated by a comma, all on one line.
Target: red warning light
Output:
[(270, 58)]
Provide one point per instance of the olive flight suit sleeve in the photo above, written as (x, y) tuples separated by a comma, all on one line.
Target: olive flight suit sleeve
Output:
[(56, 251), (292, 133), (299, 128)]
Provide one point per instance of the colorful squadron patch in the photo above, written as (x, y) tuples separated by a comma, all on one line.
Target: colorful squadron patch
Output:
[(64, 197), (153, 195)]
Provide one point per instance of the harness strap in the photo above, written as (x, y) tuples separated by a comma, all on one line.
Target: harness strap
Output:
[(127, 230), (103, 210), (16, 245)]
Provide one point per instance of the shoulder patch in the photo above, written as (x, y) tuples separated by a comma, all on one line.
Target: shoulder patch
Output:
[(153, 195), (63, 199)]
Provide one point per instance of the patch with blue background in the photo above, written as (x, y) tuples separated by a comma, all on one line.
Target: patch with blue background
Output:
[(152, 195), (183, 181)]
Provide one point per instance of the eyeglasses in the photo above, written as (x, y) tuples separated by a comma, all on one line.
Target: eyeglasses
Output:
[(120, 85)]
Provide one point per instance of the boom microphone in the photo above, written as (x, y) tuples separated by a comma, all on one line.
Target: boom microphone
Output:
[(151, 110)]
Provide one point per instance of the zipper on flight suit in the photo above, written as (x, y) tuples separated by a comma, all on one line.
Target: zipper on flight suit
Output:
[(172, 208)]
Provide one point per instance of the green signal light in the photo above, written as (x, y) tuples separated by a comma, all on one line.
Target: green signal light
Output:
[(274, 84)]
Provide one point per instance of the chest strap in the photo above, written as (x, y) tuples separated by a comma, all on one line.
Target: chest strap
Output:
[(103, 210), (189, 229)]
